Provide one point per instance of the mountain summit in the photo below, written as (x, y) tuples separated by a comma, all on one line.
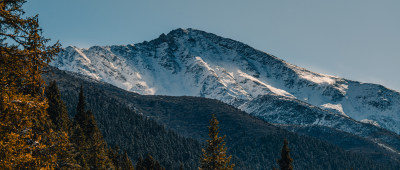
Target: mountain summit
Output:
[(189, 62)]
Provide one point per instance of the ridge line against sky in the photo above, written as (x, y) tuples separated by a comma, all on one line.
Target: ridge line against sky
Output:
[(357, 40)]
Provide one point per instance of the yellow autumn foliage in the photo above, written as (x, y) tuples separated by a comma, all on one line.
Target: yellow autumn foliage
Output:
[(26, 138)]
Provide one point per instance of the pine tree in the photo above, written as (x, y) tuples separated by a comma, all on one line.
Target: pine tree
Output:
[(114, 155), (97, 152), (61, 122), (214, 156), (80, 109), (120, 162), (150, 163), (82, 161), (26, 137), (126, 163), (57, 109), (285, 163), (94, 149), (78, 139), (139, 164)]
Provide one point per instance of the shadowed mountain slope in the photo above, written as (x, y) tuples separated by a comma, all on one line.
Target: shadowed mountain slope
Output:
[(255, 144)]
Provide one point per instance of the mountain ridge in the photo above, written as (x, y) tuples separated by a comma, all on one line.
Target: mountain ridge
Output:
[(189, 62)]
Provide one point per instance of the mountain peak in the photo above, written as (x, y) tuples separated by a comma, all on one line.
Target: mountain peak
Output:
[(179, 31), (191, 32), (196, 63), (185, 31)]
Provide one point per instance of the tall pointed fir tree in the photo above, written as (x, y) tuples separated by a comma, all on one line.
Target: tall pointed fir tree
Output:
[(126, 163), (78, 139), (119, 160), (139, 164), (26, 137), (285, 163), (214, 156), (59, 117), (94, 150), (81, 115), (148, 163), (57, 109), (113, 154)]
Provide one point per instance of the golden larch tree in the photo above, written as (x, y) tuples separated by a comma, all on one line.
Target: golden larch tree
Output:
[(26, 137), (214, 156)]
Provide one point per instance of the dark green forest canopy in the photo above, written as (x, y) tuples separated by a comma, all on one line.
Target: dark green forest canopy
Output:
[(122, 117)]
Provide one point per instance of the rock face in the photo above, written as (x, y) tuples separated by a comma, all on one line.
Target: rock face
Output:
[(188, 62)]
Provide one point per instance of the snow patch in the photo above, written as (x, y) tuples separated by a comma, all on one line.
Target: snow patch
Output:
[(316, 78), (372, 122), (244, 76), (337, 107)]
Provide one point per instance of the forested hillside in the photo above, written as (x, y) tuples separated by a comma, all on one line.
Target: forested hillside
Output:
[(253, 143)]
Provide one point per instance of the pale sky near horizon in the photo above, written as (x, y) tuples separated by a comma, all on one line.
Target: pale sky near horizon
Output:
[(357, 40)]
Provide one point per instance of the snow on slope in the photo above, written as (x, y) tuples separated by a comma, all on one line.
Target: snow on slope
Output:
[(195, 63), (284, 112)]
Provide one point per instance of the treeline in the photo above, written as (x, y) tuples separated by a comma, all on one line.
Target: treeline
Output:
[(139, 135), (254, 144), (88, 148)]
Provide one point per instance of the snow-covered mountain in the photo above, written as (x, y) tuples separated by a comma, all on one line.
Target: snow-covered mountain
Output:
[(189, 62)]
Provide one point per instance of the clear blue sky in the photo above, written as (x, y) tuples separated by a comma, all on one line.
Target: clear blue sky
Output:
[(356, 39)]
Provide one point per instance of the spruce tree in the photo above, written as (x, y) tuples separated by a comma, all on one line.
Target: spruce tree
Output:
[(120, 162), (78, 140), (57, 109), (114, 155), (285, 163), (97, 153), (126, 163), (80, 109), (82, 161), (214, 156), (94, 150), (139, 164), (150, 163)]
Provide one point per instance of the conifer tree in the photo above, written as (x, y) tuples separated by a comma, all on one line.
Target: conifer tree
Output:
[(81, 110), (120, 162), (150, 163), (61, 123), (82, 161), (26, 137), (94, 148), (126, 163), (57, 109), (214, 156), (78, 139), (115, 157), (285, 163), (97, 153), (139, 164)]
